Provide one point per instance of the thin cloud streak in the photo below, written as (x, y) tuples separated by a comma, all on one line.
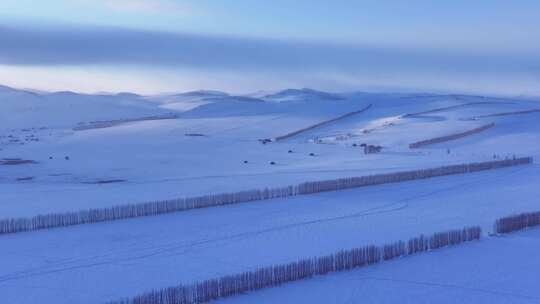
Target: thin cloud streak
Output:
[(169, 60), (141, 6), (113, 46)]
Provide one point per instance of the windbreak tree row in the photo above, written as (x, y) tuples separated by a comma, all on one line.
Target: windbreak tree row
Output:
[(320, 124), (276, 275), (438, 140), (97, 215), (517, 222)]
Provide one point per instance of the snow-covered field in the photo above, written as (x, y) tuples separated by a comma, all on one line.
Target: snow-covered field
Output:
[(153, 252), (497, 270), (203, 146)]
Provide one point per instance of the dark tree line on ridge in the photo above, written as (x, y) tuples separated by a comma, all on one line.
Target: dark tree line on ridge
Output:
[(450, 137)]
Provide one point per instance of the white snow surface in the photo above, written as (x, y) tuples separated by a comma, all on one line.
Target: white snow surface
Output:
[(203, 150), (123, 258), (497, 270), (162, 159)]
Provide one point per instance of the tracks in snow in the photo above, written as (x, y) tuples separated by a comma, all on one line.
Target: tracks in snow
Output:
[(132, 253)]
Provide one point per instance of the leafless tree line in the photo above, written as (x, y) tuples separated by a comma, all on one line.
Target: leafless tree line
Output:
[(356, 182), (517, 222), (508, 113), (289, 135), (96, 215), (266, 277), (100, 124), (446, 108), (450, 137)]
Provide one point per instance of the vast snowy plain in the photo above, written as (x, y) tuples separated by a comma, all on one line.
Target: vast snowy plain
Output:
[(69, 152)]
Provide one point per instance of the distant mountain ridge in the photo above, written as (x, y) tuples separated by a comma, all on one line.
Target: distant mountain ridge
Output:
[(66, 108), (305, 93)]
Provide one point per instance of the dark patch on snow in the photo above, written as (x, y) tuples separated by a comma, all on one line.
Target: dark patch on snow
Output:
[(16, 161), (105, 181)]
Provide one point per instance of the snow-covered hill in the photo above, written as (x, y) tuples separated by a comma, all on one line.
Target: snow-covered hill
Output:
[(71, 152), (198, 150), (301, 95), (25, 109)]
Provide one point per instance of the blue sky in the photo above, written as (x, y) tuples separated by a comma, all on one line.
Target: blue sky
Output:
[(149, 46)]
